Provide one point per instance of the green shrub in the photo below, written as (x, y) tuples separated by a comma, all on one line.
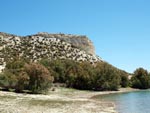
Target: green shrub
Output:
[(56, 68), (124, 78), (15, 66), (14, 76), (106, 77), (140, 79), (21, 76), (40, 78), (83, 75), (8, 80), (78, 77)]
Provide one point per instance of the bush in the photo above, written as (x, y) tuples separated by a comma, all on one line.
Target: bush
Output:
[(57, 68), (21, 76), (15, 66), (106, 77), (8, 80), (140, 79), (89, 73), (78, 77), (15, 76), (83, 75), (39, 77), (124, 79), (22, 82)]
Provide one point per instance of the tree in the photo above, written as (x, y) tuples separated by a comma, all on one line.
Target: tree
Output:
[(40, 78), (22, 82), (8, 80), (56, 68), (10, 77), (106, 77), (140, 79), (124, 78), (77, 77), (15, 66)]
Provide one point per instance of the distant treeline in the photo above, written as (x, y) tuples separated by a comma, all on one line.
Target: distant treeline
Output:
[(20, 76)]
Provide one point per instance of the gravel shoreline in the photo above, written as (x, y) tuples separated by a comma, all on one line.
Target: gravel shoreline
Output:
[(62, 100)]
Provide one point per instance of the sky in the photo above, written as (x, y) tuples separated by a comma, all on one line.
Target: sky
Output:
[(119, 29)]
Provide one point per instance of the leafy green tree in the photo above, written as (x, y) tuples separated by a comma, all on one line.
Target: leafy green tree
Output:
[(13, 75), (106, 77), (78, 77), (57, 68), (140, 79), (8, 80), (124, 78), (89, 73)]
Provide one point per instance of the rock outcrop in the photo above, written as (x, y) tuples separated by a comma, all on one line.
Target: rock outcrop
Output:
[(80, 41), (44, 45)]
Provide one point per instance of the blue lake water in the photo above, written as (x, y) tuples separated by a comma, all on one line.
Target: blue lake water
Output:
[(131, 102)]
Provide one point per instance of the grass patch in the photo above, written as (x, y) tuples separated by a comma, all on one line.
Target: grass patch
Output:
[(2, 98), (51, 103)]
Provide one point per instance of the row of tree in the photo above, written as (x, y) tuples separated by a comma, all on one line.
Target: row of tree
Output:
[(38, 77), (20, 76), (101, 76)]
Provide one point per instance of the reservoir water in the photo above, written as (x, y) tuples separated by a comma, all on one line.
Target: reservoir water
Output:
[(131, 102)]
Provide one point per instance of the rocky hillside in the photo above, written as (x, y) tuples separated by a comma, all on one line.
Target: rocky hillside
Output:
[(81, 42), (44, 45)]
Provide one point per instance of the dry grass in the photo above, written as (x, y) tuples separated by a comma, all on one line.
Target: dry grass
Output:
[(61, 101)]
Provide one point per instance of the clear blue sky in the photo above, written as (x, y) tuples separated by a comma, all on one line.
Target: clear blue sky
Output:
[(120, 29)]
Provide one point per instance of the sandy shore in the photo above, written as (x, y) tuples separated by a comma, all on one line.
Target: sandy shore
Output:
[(62, 100)]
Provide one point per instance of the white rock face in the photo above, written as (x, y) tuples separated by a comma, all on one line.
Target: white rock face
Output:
[(1, 68), (2, 64), (80, 41)]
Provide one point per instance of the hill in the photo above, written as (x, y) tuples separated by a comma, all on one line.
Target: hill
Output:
[(44, 45)]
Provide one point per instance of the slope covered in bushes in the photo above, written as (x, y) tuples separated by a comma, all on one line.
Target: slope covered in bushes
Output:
[(38, 77)]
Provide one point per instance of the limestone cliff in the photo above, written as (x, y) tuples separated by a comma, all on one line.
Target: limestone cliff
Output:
[(79, 41)]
